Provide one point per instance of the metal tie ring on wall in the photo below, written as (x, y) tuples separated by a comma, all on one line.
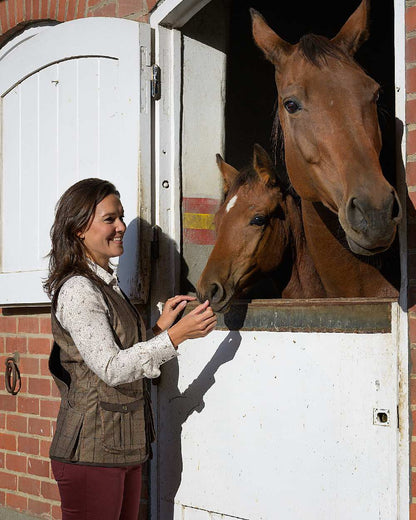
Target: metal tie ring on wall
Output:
[(12, 376)]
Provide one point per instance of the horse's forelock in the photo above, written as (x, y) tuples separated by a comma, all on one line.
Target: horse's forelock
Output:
[(316, 49)]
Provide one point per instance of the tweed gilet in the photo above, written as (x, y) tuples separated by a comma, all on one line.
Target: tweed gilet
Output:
[(98, 424)]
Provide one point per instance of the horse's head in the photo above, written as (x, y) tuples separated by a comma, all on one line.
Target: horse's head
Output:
[(327, 108), (251, 231)]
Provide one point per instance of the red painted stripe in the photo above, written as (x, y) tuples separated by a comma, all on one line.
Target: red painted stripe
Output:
[(200, 205), (199, 236)]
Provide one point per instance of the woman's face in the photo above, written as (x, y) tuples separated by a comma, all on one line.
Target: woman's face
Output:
[(104, 236)]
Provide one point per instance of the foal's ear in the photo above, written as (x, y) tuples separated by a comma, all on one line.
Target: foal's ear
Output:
[(229, 173), (263, 165), (274, 47), (355, 30)]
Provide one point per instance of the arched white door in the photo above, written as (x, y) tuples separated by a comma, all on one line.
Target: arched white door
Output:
[(75, 103)]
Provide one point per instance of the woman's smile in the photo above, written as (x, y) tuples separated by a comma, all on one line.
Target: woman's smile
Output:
[(104, 235)]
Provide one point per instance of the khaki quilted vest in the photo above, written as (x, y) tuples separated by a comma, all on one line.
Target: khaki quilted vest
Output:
[(98, 424)]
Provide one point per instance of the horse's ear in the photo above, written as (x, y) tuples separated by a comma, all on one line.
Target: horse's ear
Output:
[(274, 47), (355, 30), (263, 165), (228, 172)]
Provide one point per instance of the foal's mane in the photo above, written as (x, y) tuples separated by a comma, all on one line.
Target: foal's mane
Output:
[(317, 49)]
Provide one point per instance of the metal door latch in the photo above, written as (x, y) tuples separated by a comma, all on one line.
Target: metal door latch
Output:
[(381, 417)]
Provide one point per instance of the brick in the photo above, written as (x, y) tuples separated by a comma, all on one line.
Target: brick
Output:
[(38, 386), (8, 403), (29, 485), (16, 344), (28, 9), (2, 421), (28, 405), (44, 448), (17, 423), (8, 481), (71, 9), (8, 324), (45, 324), (410, 19), (43, 9), (44, 367), (2, 497), (127, 7), (16, 462), (4, 18), (54, 390), (411, 173), (28, 324), (16, 502), (49, 408), (411, 50), (56, 513), (40, 427), (411, 142), (12, 12), (52, 15), (2, 460), (50, 490), (39, 508), (39, 345), (412, 512), (7, 442), (61, 10), (411, 113), (81, 9), (19, 11), (38, 467), (104, 10), (29, 365), (28, 445)]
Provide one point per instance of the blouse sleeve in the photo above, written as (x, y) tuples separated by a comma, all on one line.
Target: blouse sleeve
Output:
[(82, 311)]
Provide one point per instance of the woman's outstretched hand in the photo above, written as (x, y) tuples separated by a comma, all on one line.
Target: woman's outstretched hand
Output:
[(197, 324), (171, 310)]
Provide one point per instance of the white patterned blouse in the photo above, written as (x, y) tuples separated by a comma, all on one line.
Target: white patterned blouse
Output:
[(82, 311)]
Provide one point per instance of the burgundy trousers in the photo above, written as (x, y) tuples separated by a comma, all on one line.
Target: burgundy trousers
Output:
[(98, 493)]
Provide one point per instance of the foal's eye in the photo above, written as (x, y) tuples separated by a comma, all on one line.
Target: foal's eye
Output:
[(291, 106), (258, 220)]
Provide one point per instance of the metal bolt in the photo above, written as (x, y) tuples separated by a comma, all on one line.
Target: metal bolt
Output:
[(165, 184)]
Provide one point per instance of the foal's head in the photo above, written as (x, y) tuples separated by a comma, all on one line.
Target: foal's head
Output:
[(327, 108), (252, 231)]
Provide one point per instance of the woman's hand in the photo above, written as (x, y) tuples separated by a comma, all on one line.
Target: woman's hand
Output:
[(197, 324), (171, 310)]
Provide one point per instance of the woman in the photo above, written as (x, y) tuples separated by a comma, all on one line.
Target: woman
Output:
[(100, 357)]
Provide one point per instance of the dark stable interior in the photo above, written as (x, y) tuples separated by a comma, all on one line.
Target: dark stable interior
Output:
[(251, 90)]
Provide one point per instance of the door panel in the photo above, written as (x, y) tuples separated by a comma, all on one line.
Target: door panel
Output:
[(72, 108)]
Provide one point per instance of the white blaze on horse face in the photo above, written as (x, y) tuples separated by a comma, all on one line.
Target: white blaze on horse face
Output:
[(231, 203)]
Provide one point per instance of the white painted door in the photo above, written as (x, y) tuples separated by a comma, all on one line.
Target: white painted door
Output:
[(75, 103), (261, 425)]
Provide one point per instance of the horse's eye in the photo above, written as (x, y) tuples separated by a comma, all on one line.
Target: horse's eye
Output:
[(376, 96), (258, 220), (291, 106)]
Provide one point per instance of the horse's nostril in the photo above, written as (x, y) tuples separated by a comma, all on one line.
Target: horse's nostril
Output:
[(216, 292), (355, 215)]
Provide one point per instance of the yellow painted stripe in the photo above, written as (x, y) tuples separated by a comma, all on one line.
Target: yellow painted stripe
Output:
[(198, 221)]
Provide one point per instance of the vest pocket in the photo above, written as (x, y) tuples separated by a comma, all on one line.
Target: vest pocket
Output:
[(123, 426), (66, 438)]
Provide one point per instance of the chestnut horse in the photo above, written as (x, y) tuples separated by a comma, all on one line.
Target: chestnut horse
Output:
[(259, 232), (327, 109)]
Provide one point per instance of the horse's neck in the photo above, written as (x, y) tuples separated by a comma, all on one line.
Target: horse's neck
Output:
[(304, 281), (343, 274)]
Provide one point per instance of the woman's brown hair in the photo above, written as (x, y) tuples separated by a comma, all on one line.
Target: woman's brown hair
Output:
[(73, 215)]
